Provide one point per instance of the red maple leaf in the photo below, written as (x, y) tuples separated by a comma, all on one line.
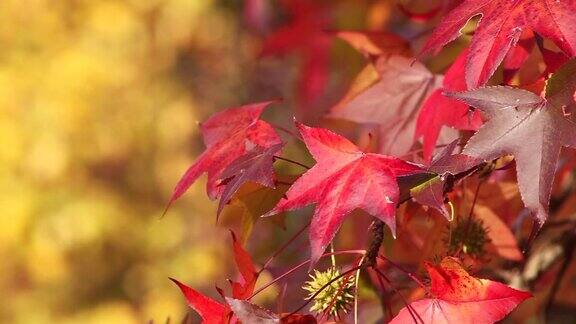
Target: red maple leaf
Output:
[(517, 55), (212, 311), (439, 110), (304, 34), (502, 24), (228, 135), (458, 297), (344, 178), (244, 289)]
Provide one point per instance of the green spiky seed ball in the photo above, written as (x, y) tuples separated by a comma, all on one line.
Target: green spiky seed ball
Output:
[(336, 297), (469, 236)]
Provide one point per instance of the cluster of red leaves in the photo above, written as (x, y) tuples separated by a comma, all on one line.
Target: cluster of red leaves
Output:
[(237, 308), (212, 311), (405, 101)]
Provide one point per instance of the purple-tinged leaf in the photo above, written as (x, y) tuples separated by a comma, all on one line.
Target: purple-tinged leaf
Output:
[(255, 166)]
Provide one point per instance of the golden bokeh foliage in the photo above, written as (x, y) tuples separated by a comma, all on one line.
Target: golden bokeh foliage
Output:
[(99, 102)]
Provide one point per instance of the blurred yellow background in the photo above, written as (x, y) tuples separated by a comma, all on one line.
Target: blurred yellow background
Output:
[(99, 102)]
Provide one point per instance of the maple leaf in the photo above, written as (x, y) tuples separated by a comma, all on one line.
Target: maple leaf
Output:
[(344, 178), (517, 55), (374, 43), (256, 166), (253, 200), (439, 110), (228, 135), (289, 318), (210, 310), (391, 101), (305, 35), (458, 297), (431, 192), (447, 163), (502, 24), (243, 290), (250, 313), (502, 240), (531, 128)]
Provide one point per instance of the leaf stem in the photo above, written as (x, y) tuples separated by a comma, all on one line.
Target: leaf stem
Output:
[(410, 309), (283, 247), (408, 273), (309, 299), (292, 161), (287, 273), (286, 130), (356, 293)]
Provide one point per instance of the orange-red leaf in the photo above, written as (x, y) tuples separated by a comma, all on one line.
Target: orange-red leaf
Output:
[(458, 297), (243, 290)]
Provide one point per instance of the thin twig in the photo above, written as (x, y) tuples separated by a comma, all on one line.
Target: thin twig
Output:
[(292, 161), (287, 273), (286, 130), (408, 273), (309, 299), (409, 307), (284, 246), (569, 251), (356, 282)]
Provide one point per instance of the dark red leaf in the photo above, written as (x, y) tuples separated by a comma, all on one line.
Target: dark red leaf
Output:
[(298, 319), (255, 166)]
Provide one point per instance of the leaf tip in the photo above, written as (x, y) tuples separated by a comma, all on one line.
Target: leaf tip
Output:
[(450, 94), (234, 238), (168, 205)]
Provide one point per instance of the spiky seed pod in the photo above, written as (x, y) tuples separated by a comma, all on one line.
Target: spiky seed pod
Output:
[(468, 236), (336, 297)]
